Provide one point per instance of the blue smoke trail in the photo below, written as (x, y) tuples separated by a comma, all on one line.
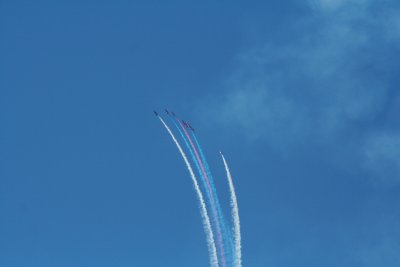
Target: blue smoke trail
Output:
[(212, 197), (226, 230), (203, 210), (192, 155)]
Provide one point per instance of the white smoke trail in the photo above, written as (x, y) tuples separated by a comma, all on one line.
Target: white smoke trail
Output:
[(203, 210), (235, 216)]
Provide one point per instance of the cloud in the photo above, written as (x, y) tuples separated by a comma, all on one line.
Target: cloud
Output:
[(329, 85), (327, 4), (333, 5), (383, 252), (392, 25), (312, 85), (382, 156)]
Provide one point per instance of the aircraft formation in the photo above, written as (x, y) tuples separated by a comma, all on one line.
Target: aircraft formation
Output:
[(223, 239), (185, 123)]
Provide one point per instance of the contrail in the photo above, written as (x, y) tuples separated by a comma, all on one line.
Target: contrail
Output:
[(235, 216), (203, 210), (226, 232), (192, 155), (213, 203), (219, 214)]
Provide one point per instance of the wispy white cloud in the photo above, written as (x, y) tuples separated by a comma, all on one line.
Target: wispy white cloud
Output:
[(332, 5), (382, 252), (392, 25), (324, 87), (382, 156)]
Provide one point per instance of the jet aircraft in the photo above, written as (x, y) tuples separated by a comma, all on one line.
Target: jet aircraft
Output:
[(190, 126)]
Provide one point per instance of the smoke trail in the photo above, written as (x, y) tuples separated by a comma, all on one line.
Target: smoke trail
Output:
[(203, 210), (226, 232), (193, 156), (235, 216), (213, 208)]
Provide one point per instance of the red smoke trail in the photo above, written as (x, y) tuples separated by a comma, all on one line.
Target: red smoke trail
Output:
[(219, 235), (203, 210)]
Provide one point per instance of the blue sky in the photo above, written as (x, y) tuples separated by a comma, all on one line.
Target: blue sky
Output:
[(302, 96)]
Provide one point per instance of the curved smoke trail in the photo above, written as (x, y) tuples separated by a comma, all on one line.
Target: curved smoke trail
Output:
[(192, 156), (218, 227), (235, 216), (203, 210), (226, 232)]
